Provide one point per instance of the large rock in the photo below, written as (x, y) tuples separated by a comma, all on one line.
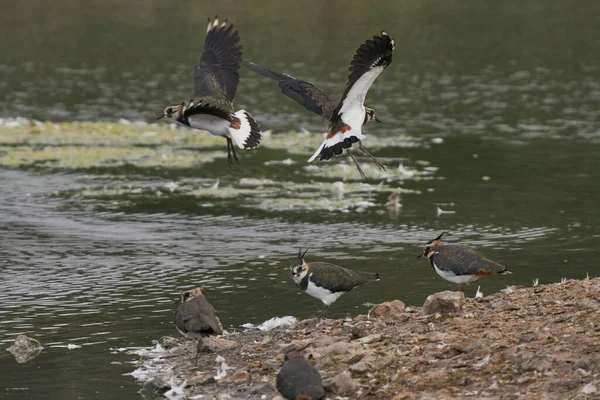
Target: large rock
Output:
[(389, 309), (444, 303)]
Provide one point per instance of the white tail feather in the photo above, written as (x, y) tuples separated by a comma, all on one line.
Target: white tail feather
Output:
[(318, 151), (244, 137)]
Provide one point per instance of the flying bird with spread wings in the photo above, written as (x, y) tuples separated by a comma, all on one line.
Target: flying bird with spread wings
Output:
[(216, 79), (347, 116)]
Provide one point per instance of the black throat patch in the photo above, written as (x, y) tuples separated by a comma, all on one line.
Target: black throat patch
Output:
[(304, 283)]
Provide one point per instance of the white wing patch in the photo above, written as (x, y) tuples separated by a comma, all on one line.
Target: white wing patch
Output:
[(449, 276), (353, 102)]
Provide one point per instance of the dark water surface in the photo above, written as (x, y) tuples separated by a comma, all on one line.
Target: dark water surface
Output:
[(501, 99)]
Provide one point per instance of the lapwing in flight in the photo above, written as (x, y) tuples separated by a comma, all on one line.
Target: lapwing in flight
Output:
[(325, 281), (347, 116), (216, 79), (196, 318), (458, 263)]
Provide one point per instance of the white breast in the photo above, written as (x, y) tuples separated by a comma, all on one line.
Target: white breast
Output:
[(326, 296), (449, 276), (215, 125), (353, 110)]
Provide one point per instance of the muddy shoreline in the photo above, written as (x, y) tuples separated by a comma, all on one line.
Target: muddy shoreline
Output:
[(520, 343)]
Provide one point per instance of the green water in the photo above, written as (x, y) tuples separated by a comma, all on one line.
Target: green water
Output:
[(492, 109)]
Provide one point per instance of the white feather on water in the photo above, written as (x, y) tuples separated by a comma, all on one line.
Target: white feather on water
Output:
[(478, 293), (273, 323)]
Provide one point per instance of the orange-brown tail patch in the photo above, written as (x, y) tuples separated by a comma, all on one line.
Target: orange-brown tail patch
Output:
[(344, 129), (483, 272), (236, 123)]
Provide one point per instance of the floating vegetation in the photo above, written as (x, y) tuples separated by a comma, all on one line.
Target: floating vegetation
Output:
[(126, 162)]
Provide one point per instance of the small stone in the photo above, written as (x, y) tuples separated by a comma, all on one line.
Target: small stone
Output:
[(389, 309), (169, 342), (323, 363), (202, 378), (154, 388), (403, 349), (220, 344), (271, 365), (344, 385), (500, 305), (404, 396), (339, 348), (266, 389), (25, 349), (587, 304), (527, 337), (444, 303), (376, 337), (354, 331), (359, 368), (539, 362), (240, 376), (469, 345)]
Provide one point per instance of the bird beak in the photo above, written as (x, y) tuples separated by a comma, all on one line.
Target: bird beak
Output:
[(420, 255), (161, 117), (377, 119)]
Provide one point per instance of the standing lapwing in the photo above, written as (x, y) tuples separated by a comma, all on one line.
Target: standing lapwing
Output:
[(215, 82), (458, 263), (347, 117), (297, 379), (326, 281), (196, 318)]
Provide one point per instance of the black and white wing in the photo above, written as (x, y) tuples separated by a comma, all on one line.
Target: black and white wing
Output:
[(304, 93), (368, 63), (345, 124), (216, 76)]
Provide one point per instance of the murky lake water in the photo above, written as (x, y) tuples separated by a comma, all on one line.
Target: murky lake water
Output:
[(493, 112)]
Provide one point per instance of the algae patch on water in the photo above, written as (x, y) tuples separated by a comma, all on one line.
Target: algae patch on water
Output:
[(80, 145), (124, 165)]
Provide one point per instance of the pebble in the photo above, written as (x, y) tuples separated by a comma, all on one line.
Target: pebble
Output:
[(389, 309), (444, 303)]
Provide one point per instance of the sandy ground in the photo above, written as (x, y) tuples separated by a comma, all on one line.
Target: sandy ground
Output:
[(539, 342)]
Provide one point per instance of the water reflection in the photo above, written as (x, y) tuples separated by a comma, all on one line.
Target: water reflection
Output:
[(94, 252)]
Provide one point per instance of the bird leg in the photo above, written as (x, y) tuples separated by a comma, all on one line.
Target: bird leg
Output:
[(323, 312), (461, 287), (199, 348), (360, 171), (230, 151), (379, 165)]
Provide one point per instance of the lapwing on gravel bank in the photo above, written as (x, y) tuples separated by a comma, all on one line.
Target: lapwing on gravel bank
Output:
[(216, 79), (458, 263), (298, 380), (325, 281), (196, 318), (347, 117)]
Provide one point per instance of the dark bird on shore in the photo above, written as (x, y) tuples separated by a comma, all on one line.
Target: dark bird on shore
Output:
[(298, 380), (216, 79), (196, 318), (458, 263), (347, 116), (326, 281)]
